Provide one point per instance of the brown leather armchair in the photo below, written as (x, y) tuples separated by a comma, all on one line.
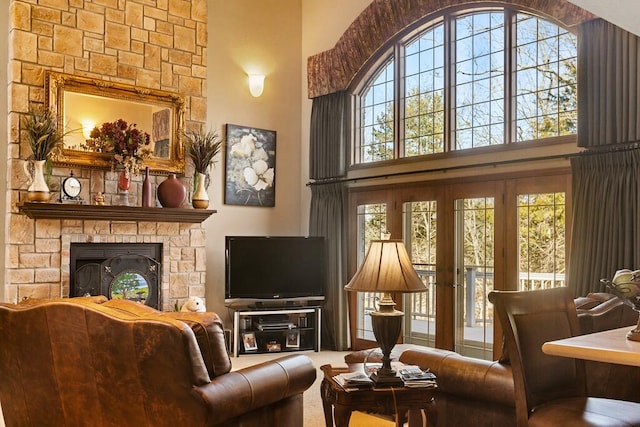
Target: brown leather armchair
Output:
[(551, 390), (92, 362), (481, 392)]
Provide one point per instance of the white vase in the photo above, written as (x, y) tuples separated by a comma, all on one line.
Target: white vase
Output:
[(38, 191), (200, 199)]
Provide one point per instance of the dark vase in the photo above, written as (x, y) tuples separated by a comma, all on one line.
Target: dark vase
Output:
[(147, 192), (171, 192)]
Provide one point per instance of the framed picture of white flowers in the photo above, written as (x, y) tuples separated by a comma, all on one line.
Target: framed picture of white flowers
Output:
[(250, 166)]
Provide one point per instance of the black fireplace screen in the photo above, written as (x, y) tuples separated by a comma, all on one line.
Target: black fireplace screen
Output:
[(117, 271)]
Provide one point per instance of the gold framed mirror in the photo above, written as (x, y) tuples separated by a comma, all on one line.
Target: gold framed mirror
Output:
[(82, 103)]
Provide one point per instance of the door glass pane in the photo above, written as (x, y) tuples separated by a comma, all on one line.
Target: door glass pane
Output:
[(372, 224), (541, 240), (474, 266), (420, 240)]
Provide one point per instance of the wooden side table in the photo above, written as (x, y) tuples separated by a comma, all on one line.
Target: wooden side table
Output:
[(339, 403)]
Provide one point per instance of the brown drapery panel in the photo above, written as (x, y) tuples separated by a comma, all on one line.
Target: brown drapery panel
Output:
[(606, 227), (606, 178), (327, 219), (327, 161), (327, 145), (608, 85)]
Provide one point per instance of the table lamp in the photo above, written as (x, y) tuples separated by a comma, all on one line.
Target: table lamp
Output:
[(386, 268)]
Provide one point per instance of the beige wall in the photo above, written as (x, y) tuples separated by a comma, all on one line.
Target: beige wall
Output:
[(323, 22), (274, 37), (254, 36)]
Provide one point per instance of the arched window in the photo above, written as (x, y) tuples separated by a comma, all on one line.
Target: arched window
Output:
[(464, 81)]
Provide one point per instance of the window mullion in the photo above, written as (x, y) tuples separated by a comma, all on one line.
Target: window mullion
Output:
[(509, 76), (399, 108), (449, 83)]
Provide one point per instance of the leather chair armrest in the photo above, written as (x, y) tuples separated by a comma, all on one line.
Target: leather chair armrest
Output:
[(242, 391), (485, 380), (611, 313)]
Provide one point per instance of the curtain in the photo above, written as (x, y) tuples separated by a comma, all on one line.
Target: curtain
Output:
[(606, 231), (606, 181), (327, 219), (327, 146), (327, 163), (608, 85)]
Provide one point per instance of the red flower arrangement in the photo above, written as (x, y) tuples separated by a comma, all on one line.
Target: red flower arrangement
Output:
[(125, 141)]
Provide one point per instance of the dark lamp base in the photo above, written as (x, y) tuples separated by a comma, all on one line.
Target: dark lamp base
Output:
[(386, 381)]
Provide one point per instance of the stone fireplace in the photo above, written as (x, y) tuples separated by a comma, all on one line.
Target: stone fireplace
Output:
[(179, 246), (154, 45), (117, 270)]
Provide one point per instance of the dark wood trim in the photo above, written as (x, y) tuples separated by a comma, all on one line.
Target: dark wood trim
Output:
[(112, 213)]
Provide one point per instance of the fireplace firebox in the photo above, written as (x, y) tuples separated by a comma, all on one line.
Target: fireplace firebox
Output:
[(117, 270)]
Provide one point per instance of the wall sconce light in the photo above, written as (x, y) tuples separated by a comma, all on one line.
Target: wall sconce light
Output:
[(87, 127), (256, 84)]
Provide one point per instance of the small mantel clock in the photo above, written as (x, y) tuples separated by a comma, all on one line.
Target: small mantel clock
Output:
[(71, 188)]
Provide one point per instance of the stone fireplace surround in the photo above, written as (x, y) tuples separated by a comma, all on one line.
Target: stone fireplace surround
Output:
[(183, 253), (148, 44)]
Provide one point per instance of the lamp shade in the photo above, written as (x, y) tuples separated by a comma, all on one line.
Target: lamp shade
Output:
[(386, 268)]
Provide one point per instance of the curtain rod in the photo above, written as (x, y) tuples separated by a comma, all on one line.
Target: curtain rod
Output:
[(337, 180), (610, 148), (587, 152)]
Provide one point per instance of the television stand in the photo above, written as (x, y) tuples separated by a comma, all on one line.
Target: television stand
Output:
[(261, 305), (276, 329)]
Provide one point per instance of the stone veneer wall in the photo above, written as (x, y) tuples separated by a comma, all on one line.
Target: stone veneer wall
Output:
[(158, 44)]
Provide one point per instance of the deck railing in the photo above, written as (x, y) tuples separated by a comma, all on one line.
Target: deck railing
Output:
[(423, 304)]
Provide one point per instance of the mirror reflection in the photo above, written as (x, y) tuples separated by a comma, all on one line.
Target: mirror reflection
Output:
[(85, 112), (82, 103)]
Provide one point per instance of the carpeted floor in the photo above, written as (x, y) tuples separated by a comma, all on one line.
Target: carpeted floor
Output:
[(313, 413)]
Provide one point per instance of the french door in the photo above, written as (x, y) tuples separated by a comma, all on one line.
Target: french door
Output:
[(464, 239)]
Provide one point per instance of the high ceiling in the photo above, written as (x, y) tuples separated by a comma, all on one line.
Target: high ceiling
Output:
[(623, 13)]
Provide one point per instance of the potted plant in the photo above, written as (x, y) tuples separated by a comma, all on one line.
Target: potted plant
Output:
[(202, 148), (44, 138)]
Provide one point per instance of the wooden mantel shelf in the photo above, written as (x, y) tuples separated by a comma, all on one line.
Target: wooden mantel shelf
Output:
[(112, 213)]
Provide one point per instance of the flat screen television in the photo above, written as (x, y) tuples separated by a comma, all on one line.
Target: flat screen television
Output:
[(270, 269)]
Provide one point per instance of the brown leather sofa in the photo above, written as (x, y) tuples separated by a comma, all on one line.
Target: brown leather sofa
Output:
[(481, 393), (93, 362)]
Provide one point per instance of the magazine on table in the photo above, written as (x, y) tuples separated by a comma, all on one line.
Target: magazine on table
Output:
[(413, 376), (353, 380)]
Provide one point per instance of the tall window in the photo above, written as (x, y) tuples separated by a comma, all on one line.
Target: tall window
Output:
[(377, 117), (424, 94), (546, 102), (372, 224), (541, 240), (456, 86)]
